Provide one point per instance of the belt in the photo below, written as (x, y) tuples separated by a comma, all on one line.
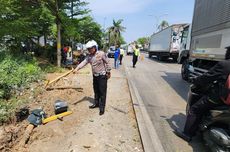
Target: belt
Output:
[(99, 74)]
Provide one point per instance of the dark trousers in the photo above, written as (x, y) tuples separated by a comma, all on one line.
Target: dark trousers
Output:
[(121, 57), (135, 58), (195, 114), (100, 90)]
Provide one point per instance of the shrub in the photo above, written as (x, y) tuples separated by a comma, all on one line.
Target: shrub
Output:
[(16, 73)]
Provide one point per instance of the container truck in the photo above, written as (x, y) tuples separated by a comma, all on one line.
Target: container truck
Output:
[(210, 35), (185, 44), (129, 49), (166, 43)]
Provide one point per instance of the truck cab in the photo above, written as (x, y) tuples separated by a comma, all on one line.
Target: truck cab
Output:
[(210, 34), (185, 44)]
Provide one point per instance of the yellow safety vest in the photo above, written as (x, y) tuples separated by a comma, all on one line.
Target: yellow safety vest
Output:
[(137, 52)]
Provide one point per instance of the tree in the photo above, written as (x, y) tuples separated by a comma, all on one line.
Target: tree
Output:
[(17, 21), (164, 24), (115, 32), (88, 29), (62, 10), (122, 40), (24, 22), (143, 40)]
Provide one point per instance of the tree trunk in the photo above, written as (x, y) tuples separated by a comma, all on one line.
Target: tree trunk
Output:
[(72, 7), (58, 44), (45, 39), (58, 22), (109, 39)]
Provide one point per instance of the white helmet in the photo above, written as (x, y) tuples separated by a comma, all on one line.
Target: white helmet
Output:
[(91, 44)]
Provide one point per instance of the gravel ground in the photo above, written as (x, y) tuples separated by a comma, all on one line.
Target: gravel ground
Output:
[(85, 130)]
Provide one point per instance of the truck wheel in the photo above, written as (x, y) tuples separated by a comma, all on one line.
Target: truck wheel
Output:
[(159, 57), (174, 59), (184, 70), (162, 58), (150, 55)]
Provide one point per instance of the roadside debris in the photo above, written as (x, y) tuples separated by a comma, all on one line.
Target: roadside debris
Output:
[(58, 78), (55, 117), (38, 117), (35, 119), (60, 106), (65, 87)]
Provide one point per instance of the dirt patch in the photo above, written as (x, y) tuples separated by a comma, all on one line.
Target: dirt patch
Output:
[(84, 130)]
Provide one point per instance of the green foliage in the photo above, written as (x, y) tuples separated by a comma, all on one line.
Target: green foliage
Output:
[(7, 108), (143, 40), (164, 24), (122, 40), (50, 68), (114, 32), (15, 73), (88, 29), (23, 22)]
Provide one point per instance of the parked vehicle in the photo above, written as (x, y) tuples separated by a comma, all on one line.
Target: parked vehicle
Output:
[(129, 50), (214, 126), (166, 43), (185, 43), (111, 51), (210, 35)]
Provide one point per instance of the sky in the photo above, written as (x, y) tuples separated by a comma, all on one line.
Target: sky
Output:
[(141, 17)]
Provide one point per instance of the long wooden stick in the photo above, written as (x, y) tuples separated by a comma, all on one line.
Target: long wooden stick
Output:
[(56, 79), (26, 135), (64, 87)]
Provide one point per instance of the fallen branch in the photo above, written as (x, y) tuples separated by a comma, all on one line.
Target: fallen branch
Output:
[(64, 87)]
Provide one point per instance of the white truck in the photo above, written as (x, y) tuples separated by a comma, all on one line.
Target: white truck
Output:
[(166, 43), (129, 49), (185, 44), (210, 35)]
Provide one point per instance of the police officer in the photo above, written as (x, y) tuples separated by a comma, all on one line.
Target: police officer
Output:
[(136, 54), (101, 73), (219, 73)]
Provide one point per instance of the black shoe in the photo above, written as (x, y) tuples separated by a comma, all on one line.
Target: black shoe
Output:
[(183, 135), (93, 106), (101, 112)]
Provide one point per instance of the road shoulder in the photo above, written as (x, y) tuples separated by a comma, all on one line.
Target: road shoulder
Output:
[(149, 137)]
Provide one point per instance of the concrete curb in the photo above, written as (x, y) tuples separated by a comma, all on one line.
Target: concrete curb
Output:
[(149, 137)]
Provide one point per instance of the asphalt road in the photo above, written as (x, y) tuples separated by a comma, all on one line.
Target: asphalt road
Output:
[(164, 94)]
